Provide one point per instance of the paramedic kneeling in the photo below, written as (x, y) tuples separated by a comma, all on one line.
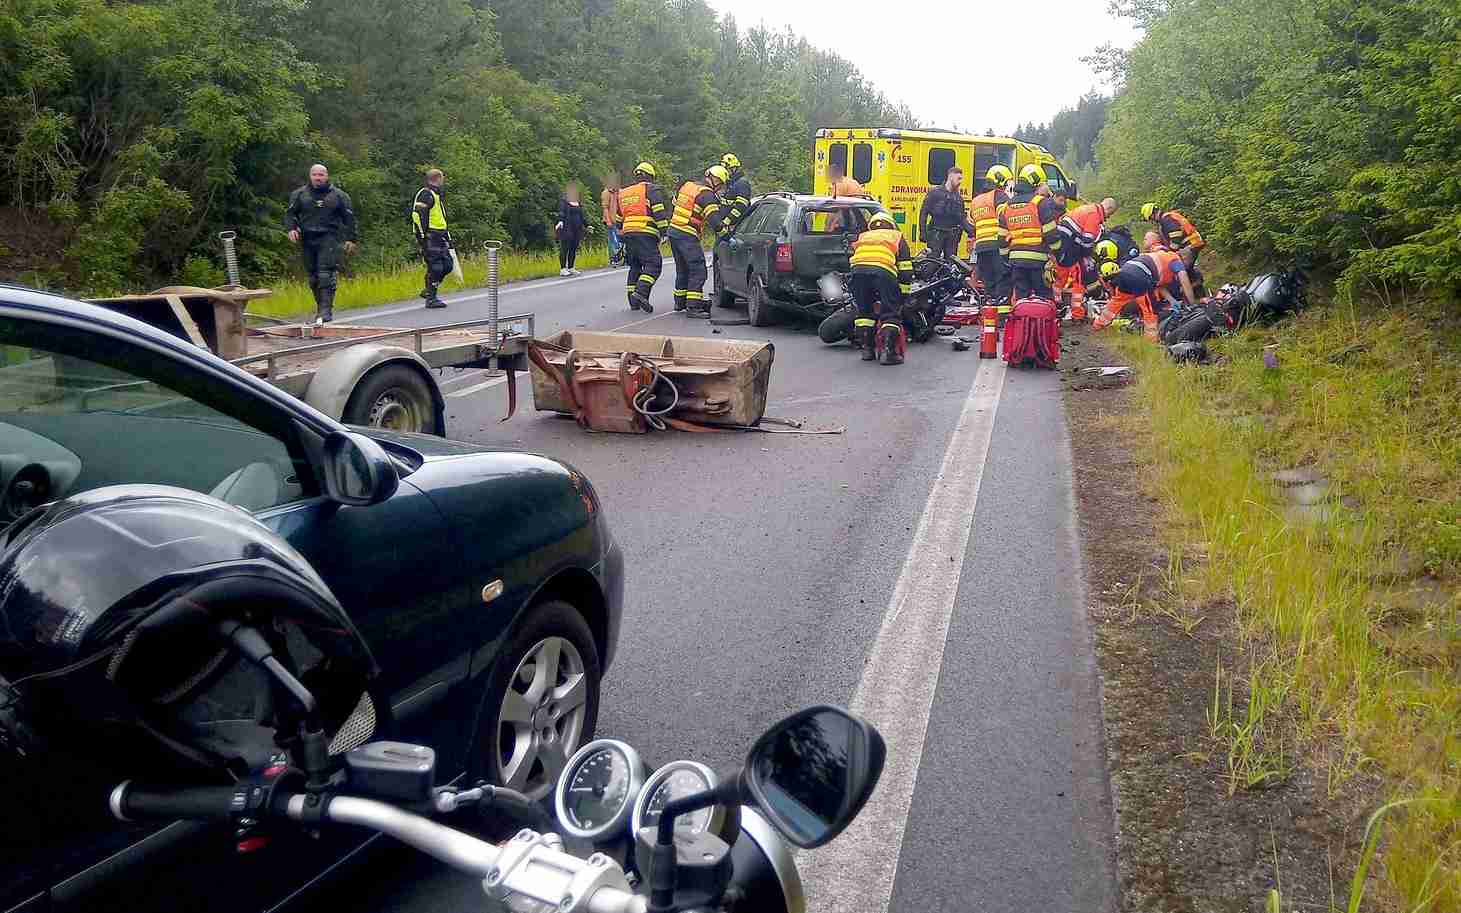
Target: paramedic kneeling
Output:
[(1139, 279)]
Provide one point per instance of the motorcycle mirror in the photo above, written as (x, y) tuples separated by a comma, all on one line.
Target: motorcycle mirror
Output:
[(812, 773)]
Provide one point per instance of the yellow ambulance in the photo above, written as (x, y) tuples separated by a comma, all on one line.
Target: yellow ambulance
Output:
[(899, 167)]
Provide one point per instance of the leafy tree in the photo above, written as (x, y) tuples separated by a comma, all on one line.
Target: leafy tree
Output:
[(1323, 131), (136, 129)]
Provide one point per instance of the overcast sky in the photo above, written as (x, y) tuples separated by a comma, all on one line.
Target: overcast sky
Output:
[(933, 69)]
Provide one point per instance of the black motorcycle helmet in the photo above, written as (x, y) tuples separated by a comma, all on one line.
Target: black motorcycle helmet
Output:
[(111, 604)]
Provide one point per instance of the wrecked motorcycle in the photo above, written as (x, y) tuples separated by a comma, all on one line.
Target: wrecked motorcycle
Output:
[(938, 283), (1266, 297)]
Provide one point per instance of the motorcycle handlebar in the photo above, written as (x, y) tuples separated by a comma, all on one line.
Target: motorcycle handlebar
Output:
[(461, 851), (200, 803)]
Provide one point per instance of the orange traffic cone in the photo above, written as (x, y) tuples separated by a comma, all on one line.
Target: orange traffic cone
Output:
[(989, 341)]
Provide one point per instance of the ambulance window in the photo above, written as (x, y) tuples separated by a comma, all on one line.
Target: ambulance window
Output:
[(939, 163), (987, 155), (837, 156), (1055, 179), (862, 162)]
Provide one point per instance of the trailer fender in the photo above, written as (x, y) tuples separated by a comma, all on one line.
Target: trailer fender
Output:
[(330, 389)]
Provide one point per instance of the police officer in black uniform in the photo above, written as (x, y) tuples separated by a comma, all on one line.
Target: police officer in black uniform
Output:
[(319, 217), (944, 219)]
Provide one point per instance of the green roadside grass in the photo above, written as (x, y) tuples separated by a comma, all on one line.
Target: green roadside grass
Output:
[(1353, 611), (401, 282)]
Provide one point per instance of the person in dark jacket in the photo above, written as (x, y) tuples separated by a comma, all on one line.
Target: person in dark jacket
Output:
[(318, 218), (944, 219), (737, 193), (571, 227)]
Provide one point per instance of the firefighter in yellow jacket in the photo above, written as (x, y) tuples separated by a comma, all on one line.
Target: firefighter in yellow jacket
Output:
[(642, 222), (696, 205), (882, 274)]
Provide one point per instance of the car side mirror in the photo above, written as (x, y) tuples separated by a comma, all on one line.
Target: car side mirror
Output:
[(358, 472), (1075, 190), (812, 773)]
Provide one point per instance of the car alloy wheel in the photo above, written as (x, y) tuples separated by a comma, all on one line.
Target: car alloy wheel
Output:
[(541, 702), (541, 720)]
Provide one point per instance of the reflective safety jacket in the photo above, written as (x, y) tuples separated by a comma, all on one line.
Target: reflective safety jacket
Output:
[(695, 205), (1162, 265), (642, 210), (1083, 226), (428, 213), (984, 211), (1179, 232), (885, 249), (1030, 220)]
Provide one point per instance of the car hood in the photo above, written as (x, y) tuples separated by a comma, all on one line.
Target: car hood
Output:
[(427, 446)]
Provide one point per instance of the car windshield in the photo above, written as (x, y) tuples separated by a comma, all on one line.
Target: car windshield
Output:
[(833, 220)]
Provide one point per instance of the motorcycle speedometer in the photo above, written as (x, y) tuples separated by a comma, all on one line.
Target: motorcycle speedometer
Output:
[(596, 791), (676, 780)]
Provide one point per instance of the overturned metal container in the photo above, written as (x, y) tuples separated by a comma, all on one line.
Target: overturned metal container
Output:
[(721, 382)]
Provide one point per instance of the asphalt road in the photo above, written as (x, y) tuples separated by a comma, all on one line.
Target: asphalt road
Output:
[(923, 567)]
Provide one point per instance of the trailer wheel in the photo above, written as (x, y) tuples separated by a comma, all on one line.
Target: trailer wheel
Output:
[(395, 398)]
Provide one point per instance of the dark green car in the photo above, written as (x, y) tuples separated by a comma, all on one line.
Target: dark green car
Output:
[(488, 586), (775, 255)]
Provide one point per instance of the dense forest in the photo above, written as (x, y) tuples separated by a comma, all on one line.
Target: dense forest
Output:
[(1323, 132), (132, 131)]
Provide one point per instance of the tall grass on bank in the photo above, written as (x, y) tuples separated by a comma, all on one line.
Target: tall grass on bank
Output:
[(385, 283), (1354, 607)]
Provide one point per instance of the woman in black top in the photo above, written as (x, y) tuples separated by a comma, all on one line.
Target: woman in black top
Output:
[(571, 227)]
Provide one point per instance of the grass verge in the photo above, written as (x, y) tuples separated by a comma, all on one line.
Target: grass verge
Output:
[(1351, 601), (398, 282)]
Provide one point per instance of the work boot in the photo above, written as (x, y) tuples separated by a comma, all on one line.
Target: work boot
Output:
[(637, 300), (680, 303), (867, 342), (326, 298), (888, 342), (433, 301)]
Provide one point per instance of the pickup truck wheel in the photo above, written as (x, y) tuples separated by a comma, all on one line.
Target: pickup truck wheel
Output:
[(542, 701), (758, 304), (394, 398), (723, 298)]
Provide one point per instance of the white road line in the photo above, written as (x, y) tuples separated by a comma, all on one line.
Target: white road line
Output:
[(854, 874), (496, 381), (472, 374), (508, 290), (468, 391)]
